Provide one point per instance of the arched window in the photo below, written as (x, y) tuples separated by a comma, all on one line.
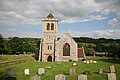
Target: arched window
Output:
[(66, 49), (48, 26), (52, 26)]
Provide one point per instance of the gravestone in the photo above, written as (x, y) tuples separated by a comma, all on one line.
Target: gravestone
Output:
[(60, 77), (94, 62), (91, 61), (26, 72), (84, 61), (111, 76), (41, 71), (112, 69), (48, 67), (74, 64), (35, 77), (82, 77), (100, 71), (87, 62), (72, 71), (10, 71)]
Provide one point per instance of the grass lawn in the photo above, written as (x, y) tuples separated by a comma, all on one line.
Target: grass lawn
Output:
[(63, 68)]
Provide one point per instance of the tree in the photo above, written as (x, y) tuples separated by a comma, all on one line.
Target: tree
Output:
[(99, 47), (114, 49), (2, 45)]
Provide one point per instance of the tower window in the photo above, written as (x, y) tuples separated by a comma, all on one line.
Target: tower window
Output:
[(48, 26), (52, 26), (50, 47)]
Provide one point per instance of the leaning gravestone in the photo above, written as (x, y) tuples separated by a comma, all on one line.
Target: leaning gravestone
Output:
[(10, 71), (35, 77), (41, 71), (60, 77), (100, 71), (111, 76), (112, 69), (82, 77), (26, 72), (72, 71)]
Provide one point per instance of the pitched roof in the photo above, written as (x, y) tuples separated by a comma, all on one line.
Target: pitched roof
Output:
[(50, 15)]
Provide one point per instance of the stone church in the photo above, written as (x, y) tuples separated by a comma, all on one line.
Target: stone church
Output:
[(52, 48)]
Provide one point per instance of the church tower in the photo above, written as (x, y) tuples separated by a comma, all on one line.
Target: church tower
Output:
[(48, 39)]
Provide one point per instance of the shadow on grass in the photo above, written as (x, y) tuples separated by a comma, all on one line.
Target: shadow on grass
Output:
[(2, 75), (115, 61)]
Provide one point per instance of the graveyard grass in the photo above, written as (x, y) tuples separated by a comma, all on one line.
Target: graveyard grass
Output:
[(63, 68)]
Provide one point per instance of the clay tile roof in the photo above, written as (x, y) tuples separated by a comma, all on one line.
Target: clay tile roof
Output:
[(50, 15)]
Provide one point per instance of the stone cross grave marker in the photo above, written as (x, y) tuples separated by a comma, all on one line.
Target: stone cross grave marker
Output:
[(112, 69), (82, 77), (100, 71), (111, 76), (10, 71), (35, 77), (26, 72), (72, 71), (41, 71), (60, 77)]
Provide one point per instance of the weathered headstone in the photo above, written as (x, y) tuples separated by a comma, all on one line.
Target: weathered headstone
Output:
[(111, 76), (10, 71), (72, 71), (82, 77), (41, 71), (35, 77), (60, 77), (26, 72), (84, 61), (94, 62), (112, 69), (87, 62), (91, 61), (100, 71), (74, 64)]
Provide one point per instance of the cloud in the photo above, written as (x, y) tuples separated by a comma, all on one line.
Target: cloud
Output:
[(108, 6), (88, 18), (30, 12), (110, 33), (113, 22), (93, 17), (21, 34)]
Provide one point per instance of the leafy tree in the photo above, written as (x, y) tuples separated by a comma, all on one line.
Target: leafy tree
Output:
[(114, 49), (2, 45)]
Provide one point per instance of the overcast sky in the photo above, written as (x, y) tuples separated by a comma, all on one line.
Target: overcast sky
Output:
[(81, 18)]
